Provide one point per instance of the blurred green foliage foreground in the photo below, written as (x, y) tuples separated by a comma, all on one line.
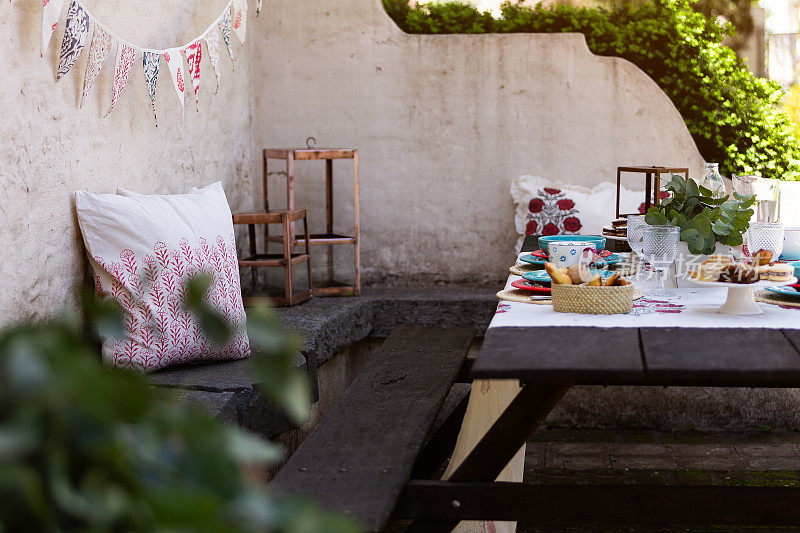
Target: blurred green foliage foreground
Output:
[(89, 448)]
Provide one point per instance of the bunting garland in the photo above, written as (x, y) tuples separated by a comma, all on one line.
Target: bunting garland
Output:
[(233, 19), (175, 64), (75, 35), (150, 65), (225, 27), (125, 56), (240, 19), (194, 53), (101, 46), (51, 10), (212, 47)]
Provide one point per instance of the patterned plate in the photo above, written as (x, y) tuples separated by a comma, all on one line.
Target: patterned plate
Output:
[(541, 276), (784, 290), (541, 254), (611, 259), (529, 286)]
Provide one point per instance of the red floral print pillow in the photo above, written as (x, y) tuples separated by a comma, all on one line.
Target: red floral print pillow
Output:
[(551, 212), (143, 249)]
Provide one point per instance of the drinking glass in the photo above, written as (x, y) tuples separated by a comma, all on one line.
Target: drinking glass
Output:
[(767, 193), (660, 250), (765, 236), (636, 225)]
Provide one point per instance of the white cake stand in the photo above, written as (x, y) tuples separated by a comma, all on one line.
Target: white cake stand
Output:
[(741, 300)]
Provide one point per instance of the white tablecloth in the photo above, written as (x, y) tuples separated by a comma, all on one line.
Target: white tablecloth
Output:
[(689, 308)]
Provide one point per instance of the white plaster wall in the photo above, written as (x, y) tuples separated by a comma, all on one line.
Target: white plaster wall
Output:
[(49, 147), (443, 124)]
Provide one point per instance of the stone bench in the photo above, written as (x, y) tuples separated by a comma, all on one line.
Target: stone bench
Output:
[(328, 326)]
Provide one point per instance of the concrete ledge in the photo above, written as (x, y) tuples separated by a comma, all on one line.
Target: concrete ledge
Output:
[(328, 326), (219, 404)]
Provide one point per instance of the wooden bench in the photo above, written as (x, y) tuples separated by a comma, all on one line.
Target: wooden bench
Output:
[(361, 454)]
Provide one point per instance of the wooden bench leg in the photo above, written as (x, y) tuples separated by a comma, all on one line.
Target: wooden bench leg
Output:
[(500, 443)]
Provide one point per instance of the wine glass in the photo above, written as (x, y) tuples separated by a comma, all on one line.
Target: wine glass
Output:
[(636, 225), (660, 250), (765, 236)]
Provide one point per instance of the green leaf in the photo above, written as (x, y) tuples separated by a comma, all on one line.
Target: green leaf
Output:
[(691, 188), (655, 218)]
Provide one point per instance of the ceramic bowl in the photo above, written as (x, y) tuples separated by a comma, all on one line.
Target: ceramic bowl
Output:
[(597, 240), (791, 242)]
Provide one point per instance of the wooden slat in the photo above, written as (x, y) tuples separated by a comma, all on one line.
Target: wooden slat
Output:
[(660, 505), (307, 155), (260, 260), (601, 354), (794, 337), (320, 238), (360, 455), (721, 356)]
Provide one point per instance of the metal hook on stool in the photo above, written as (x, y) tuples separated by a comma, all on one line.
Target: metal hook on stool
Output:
[(311, 142)]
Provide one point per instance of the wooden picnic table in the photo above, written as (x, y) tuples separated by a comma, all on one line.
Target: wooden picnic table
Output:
[(547, 361)]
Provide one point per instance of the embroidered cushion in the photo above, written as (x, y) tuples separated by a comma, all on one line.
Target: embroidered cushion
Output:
[(547, 208), (143, 249)]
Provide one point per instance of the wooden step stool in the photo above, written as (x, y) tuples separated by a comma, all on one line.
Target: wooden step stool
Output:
[(287, 259)]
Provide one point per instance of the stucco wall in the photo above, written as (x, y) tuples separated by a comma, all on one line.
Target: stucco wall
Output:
[(443, 124), (49, 148)]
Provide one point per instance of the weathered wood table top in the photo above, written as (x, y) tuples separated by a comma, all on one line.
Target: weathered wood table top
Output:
[(755, 357)]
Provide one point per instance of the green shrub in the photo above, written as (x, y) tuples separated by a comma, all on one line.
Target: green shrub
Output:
[(733, 116)]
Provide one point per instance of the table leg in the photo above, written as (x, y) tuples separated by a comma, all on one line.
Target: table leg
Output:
[(491, 447)]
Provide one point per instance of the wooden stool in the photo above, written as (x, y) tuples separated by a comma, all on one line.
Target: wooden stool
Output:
[(287, 259), (290, 155)]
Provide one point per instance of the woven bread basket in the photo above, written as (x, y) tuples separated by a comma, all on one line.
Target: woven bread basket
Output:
[(592, 300)]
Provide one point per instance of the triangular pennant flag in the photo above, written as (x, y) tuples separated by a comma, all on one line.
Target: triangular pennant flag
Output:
[(175, 63), (225, 27), (98, 51), (150, 63), (51, 11), (212, 45), (258, 7), (125, 57), (240, 19), (194, 52), (76, 34)]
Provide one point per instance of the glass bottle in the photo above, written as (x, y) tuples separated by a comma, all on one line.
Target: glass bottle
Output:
[(712, 180)]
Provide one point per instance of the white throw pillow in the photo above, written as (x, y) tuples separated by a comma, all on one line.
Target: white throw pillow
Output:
[(143, 248), (549, 208)]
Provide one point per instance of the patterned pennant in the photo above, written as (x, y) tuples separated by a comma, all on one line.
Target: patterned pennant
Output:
[(98, 51), (194, 52), (225, 27), (240, 19), (51, 10), (150, 63), (125, 57), (175, 63), (212, 46), (75, 35)]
